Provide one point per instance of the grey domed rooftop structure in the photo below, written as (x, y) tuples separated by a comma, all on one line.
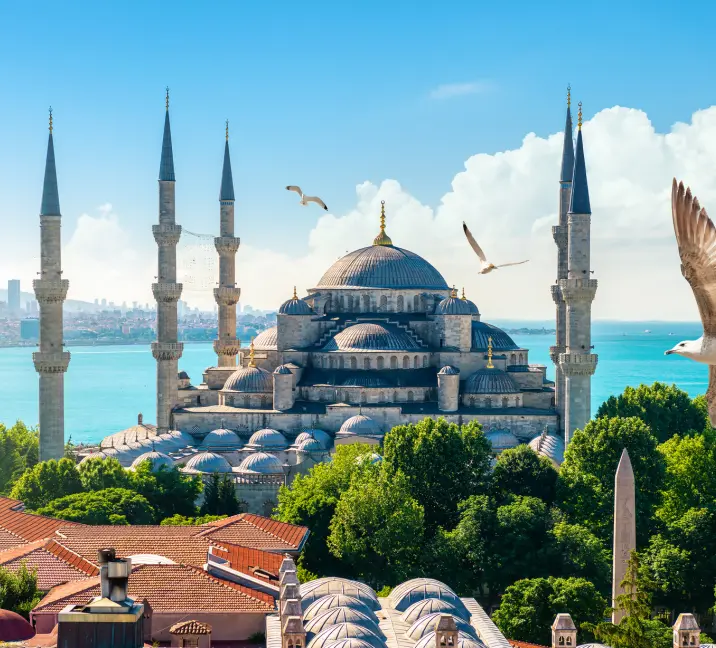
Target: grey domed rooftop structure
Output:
[(427, 623), (502, 439), (351, 643), (464, 640), (474, 310), (482, 332), (319, 435), (429, 606), (208, 462), (282, 370), (550, 446), (261, 463), (222, 439), (310, 445), (132, 434), (158, 460), (490, 381), (417, 589), (453, 306), (316, 589), (336, 615), (295, 306), (359, 425), (372, 337), (250, 380), (447, 370), (334, 601), (267, 340), (95, 455), (372, 458), (268, 439), (347, 631)]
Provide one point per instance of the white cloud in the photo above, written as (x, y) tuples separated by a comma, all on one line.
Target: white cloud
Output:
[(450, 90)]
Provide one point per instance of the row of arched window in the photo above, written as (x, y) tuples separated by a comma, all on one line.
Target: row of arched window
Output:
[(382, 396), (341, 362), (489, 401), (351, 303), (518, 358)]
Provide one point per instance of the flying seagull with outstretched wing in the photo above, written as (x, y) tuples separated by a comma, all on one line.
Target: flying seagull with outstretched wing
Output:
[(307, 199), (485, 265)]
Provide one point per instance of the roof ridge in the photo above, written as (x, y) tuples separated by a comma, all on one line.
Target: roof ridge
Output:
[(79, 563), (241, 589), (20, 550)]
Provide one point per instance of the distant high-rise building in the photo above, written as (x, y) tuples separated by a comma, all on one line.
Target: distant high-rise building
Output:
[(13, 297), (96, 301), (104, 302), (32, 307)]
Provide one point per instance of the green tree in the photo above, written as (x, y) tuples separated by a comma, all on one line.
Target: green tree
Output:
[(18, 590), (227, 500), (181, 520), (666, 409), (585, 489), (98, 474), (47, 481), (444, 464), (109, 506), (19, 450), (521, 471), (581, 554), (529, 606), (377, 529), (168, 491)]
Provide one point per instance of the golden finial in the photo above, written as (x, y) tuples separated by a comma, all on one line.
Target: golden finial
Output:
[(463, 294), (579, 117), (382, 238), (569, 95), (227, 130), (252, 362), (489, 353), (295, 296), (167, 100), (50, 120)]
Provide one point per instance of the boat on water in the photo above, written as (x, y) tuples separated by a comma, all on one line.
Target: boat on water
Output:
[(647, 331)]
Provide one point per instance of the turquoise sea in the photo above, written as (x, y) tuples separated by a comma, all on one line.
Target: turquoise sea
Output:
[(106, 387)]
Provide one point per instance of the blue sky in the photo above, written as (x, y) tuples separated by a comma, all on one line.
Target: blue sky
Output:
[(323, 94)]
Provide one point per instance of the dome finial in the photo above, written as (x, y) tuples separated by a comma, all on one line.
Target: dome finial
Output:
[(295, 295), (569, 95), (227, 130), (463, 294), (382, 238), (252, 361), (50, 120), (489, 353), (579, 117), (167, 99)]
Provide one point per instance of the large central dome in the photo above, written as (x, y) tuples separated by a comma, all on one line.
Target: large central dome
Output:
[(382, 266)]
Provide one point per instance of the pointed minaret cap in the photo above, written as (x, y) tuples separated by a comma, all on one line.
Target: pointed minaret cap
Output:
[(50, 196), (568, 146), (166, 165), (579, 203), (227, 181), (287, 565)]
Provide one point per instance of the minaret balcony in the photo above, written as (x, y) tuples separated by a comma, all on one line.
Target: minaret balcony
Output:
[(50, 362), (555, 352), (167, 350), (48, 291), (227, 245), (556, 291), (559, 234), (578, 290), (227, 295), (166, 234), (578, 364), (167, 292), (229, 348)]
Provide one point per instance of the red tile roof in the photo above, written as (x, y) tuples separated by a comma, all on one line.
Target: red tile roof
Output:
[(8, 540), (254, 531), (26, 526), (524, 644), (168, 588), (260, 564), (190, 628)]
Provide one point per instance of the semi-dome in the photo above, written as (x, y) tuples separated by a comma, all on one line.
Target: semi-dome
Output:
[(452, 306), (310, 445), (382, 266), (158, 460), (346, 631), (337, 601), (482, 332), (336, 615), (464, 640), (268, 438), (417, 589), (319, 435), (359, 425), (208, 462), (447, 370), (267, 340), (429, 606), (550, 446), (261, 463), (250, 380), (295, 306), (502, 439), (429, 622), (372, 337), (222, 438), (490, 381)]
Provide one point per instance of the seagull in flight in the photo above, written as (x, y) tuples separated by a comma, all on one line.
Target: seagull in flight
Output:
[(696, 238), (485, 265), (307, 199)]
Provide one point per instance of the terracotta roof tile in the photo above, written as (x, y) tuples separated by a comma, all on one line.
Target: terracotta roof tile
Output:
[(249, 530), (27, 526), (169, 588), (259, 564), (8, 540), (524, 644), (192, 627)]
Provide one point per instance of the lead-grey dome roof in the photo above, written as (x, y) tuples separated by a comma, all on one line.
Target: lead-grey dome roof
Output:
[(208, 462), (372, 337), (429, 606), (448, 370), (490, 381), (261, 463), (158, 460), (452, 306), (346, 631), (550, 446), (482, 331), (282, 370), (267, 340), (502, 439), (360, 425), (464, 640), (417, 589), (268, 438), (428, 623), (310, 445), (319, 435), (294, 306), (382, 266), (222, 438), (333, 601), (250, 380), (334, 616)]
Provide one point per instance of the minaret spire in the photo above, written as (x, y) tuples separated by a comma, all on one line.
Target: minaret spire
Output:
[(568, 146), (167, 349), (227, 294), (51, 361), (579, 203)]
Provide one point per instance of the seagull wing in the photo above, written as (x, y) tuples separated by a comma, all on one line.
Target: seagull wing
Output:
[(696, 238), (316, 200), (473, 243), (296, 189), (504, 265)]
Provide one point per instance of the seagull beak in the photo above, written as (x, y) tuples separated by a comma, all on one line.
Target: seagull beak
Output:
[(669, 352)]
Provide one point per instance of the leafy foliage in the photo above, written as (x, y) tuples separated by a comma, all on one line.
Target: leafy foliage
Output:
[(109, 506), (521, 471), (47, 481), (181, 520), (19, 450), (18, 590)]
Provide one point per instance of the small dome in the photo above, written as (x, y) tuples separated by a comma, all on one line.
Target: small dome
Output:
[(417, 589), (267, 340), (372, 458), (321, 587), (549, 445), (337, 601), (283, 370), (474, 310), (452, 306), (372, 337), (482, 331), (261, 463), (447, 370), (428, 606), (183, 375), (359, 425), (346, 631), (310, 445), (208, 462), (336, 615), (14, 628), (295, 306), (491, 381), (502, 439), (351, 643), (319, 435), (428, 623), (96, 455), (158, 460), (223, 439), (268, 438), (464, 640), (250, 380)]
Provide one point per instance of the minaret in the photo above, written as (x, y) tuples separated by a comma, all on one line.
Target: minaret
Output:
[(559, 233), (578, 289), (166, 350), (227, 294), (624, 528), (51, 360)]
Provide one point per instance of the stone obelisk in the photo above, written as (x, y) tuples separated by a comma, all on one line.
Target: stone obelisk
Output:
[(624, 528)]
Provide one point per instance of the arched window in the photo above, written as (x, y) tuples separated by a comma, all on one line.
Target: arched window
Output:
[(383, 303), (425, 361), (472, 401), (411, 397), (393, 362), (517, 401), (488, 402), (264, 402), (561, 641), (395, 396), (401, 305), (363, 397), (406, 362), (331, 361), (198, 400), (416, 362), (366, 303), (504, 401), (569, 641), (416, 303), (329, 302), (522, 361), (247, 401), (381, 397), (380, 362), (268, 508), (366, 363), (442, 640), (426, 395), (512, 358), (354, 363), (341, 362)]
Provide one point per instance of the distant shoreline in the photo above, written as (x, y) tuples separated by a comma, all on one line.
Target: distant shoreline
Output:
[(89, 343)]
